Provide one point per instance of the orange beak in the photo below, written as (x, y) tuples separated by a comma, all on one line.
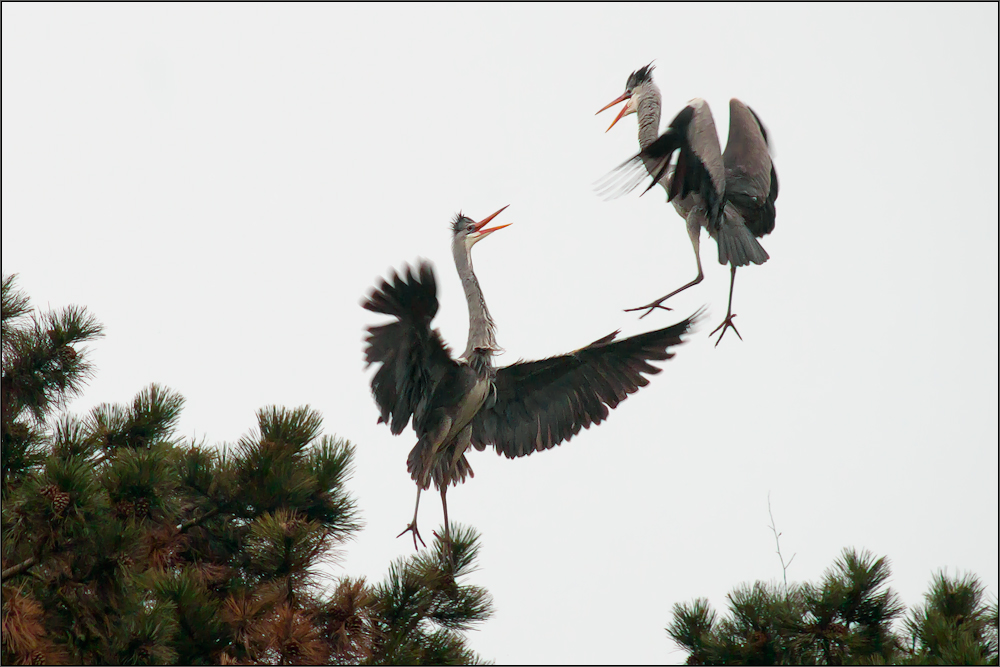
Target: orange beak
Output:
[(624, 96), (482, 223)]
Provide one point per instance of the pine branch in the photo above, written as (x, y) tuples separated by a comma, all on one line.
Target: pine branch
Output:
[(197, 521), (20, 568), (32, 561), (122, 578)]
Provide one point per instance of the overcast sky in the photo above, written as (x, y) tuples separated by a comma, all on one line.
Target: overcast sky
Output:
[(220, 185)]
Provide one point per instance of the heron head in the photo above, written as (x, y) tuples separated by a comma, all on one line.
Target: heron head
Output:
[(639, 77), (470, 232), (636, 83)]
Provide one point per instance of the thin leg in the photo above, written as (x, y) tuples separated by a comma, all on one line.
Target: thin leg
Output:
[(412, 528), (728, 322), (447, 532), (444, 504), (694, 233)]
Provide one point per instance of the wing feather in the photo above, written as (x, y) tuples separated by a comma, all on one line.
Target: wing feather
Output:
[(413, 357), (542, 403), (751, 180), (699, 167)]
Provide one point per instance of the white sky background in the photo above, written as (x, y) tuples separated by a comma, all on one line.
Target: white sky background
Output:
[(220, 185)]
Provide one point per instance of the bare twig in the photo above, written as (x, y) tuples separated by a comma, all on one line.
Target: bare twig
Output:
[(20, 568), (784, 566)]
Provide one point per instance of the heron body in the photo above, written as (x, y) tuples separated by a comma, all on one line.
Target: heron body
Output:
[(455, 404), (731, 194)]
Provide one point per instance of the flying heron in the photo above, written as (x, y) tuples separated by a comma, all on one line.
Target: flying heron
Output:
[(519, 409), (732, 194)]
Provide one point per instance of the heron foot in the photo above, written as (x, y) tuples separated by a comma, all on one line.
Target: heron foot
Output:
[(726, 324), (651, 306), (412, 528)]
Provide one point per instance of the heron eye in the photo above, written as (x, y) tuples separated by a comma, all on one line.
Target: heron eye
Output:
[(470, 228)]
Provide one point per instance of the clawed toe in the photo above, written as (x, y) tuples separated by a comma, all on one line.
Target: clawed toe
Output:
[(726, 324), (651, 307), (412, 528)]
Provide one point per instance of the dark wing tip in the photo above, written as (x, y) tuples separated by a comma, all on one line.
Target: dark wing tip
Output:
[(695, 319), (606, 339), (621, 180), (652, 162), (690, 324), (408, 293)]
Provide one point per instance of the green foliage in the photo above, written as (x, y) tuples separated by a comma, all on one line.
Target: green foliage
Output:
[(41, 367), (40, 363), (954, 626), (847, 618), (421, 609), (123, 544)]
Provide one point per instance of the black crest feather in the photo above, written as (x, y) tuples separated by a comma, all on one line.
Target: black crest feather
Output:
[(459, 222), (640, 76)]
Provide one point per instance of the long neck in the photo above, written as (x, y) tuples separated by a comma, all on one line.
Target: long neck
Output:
[(648, 113), (482, 331)]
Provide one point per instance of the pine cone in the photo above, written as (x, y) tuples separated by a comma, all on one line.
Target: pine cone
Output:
[(49, 491), (142, 507), (38, 658), (758, 640), (353, 624), (125, 560), (67, 354), (60, 502), (125, 509)]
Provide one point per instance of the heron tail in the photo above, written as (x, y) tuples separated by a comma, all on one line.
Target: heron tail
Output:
[(420, 462), (737, 245), (425, 465), (456, 475)]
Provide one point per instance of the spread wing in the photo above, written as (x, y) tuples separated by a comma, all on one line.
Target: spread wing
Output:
[(751, 180), (413, 356), (541, 403)]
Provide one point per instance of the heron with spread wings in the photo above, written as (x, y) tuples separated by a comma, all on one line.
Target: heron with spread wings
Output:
[(732, 194), (460, 403)]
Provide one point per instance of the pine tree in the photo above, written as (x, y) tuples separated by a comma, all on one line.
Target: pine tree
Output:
[(124, 544), (954, 626), (41, 369), (847, 618)]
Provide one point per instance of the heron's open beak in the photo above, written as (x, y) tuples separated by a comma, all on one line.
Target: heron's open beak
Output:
[(481, 233), (624, 97)]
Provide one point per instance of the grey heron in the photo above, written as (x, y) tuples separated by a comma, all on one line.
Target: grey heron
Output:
[(732, 194), (460, 403)]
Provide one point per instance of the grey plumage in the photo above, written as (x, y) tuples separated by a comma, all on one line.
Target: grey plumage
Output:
[(419, 378), (540, 404), (455, 404), (482, 329), (730, 194)]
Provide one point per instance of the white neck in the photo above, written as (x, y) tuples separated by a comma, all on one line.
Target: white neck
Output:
[(482, 330)]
